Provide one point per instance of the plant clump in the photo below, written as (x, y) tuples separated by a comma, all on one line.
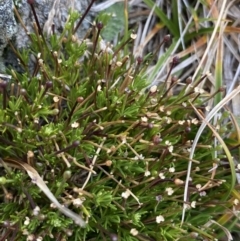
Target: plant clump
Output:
[(91, 151)]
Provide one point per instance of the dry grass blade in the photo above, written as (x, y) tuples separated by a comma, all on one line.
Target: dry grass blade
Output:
[(213, 36), (234, 213), (49, 23), (179, 5), (104, 5), (159, 76), (33, 174), (214, 111), (229, 236), (142, 42)]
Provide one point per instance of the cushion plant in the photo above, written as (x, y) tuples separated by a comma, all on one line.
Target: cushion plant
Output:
[(90, 150)]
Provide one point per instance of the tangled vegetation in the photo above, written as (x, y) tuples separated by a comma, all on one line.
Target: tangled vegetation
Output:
[(90, 150)]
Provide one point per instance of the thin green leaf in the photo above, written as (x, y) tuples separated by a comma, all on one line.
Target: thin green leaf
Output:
[(163, 59), (167, 22), (200, 130)]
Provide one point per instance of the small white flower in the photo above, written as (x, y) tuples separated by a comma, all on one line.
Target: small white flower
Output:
[(144, 119), (53, 205), (147, 173), (159, 198), (184, 104), (168, 143), (141, 157), (169, 112), (19, 130), (203, 193), (193, 204), (236, 201), (178, 181), (75, 125), (55, 53), (124, 140), (30, 237), (134, 232), (198, 90), (170, 149), (69, 232), (99, 88), (27, 221), (36, 211), (238, 166), (77, 202), (189, 149), (154, 101), (161, 108), (36, 120), (25, 232), (169, 191), (39, 238), (197, 169), (160, 219), (161, 175), (198, 186), (195, 121), (181, 122), (169, 120), (207, 108), (171, 169), (55, 99), (126, 194), (153, 89), (133, 36)]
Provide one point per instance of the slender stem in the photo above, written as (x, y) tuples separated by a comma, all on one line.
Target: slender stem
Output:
[(83, 16), (36, 19)]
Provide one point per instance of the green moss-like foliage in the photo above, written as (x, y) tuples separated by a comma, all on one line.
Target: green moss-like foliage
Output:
[(108, 148)]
